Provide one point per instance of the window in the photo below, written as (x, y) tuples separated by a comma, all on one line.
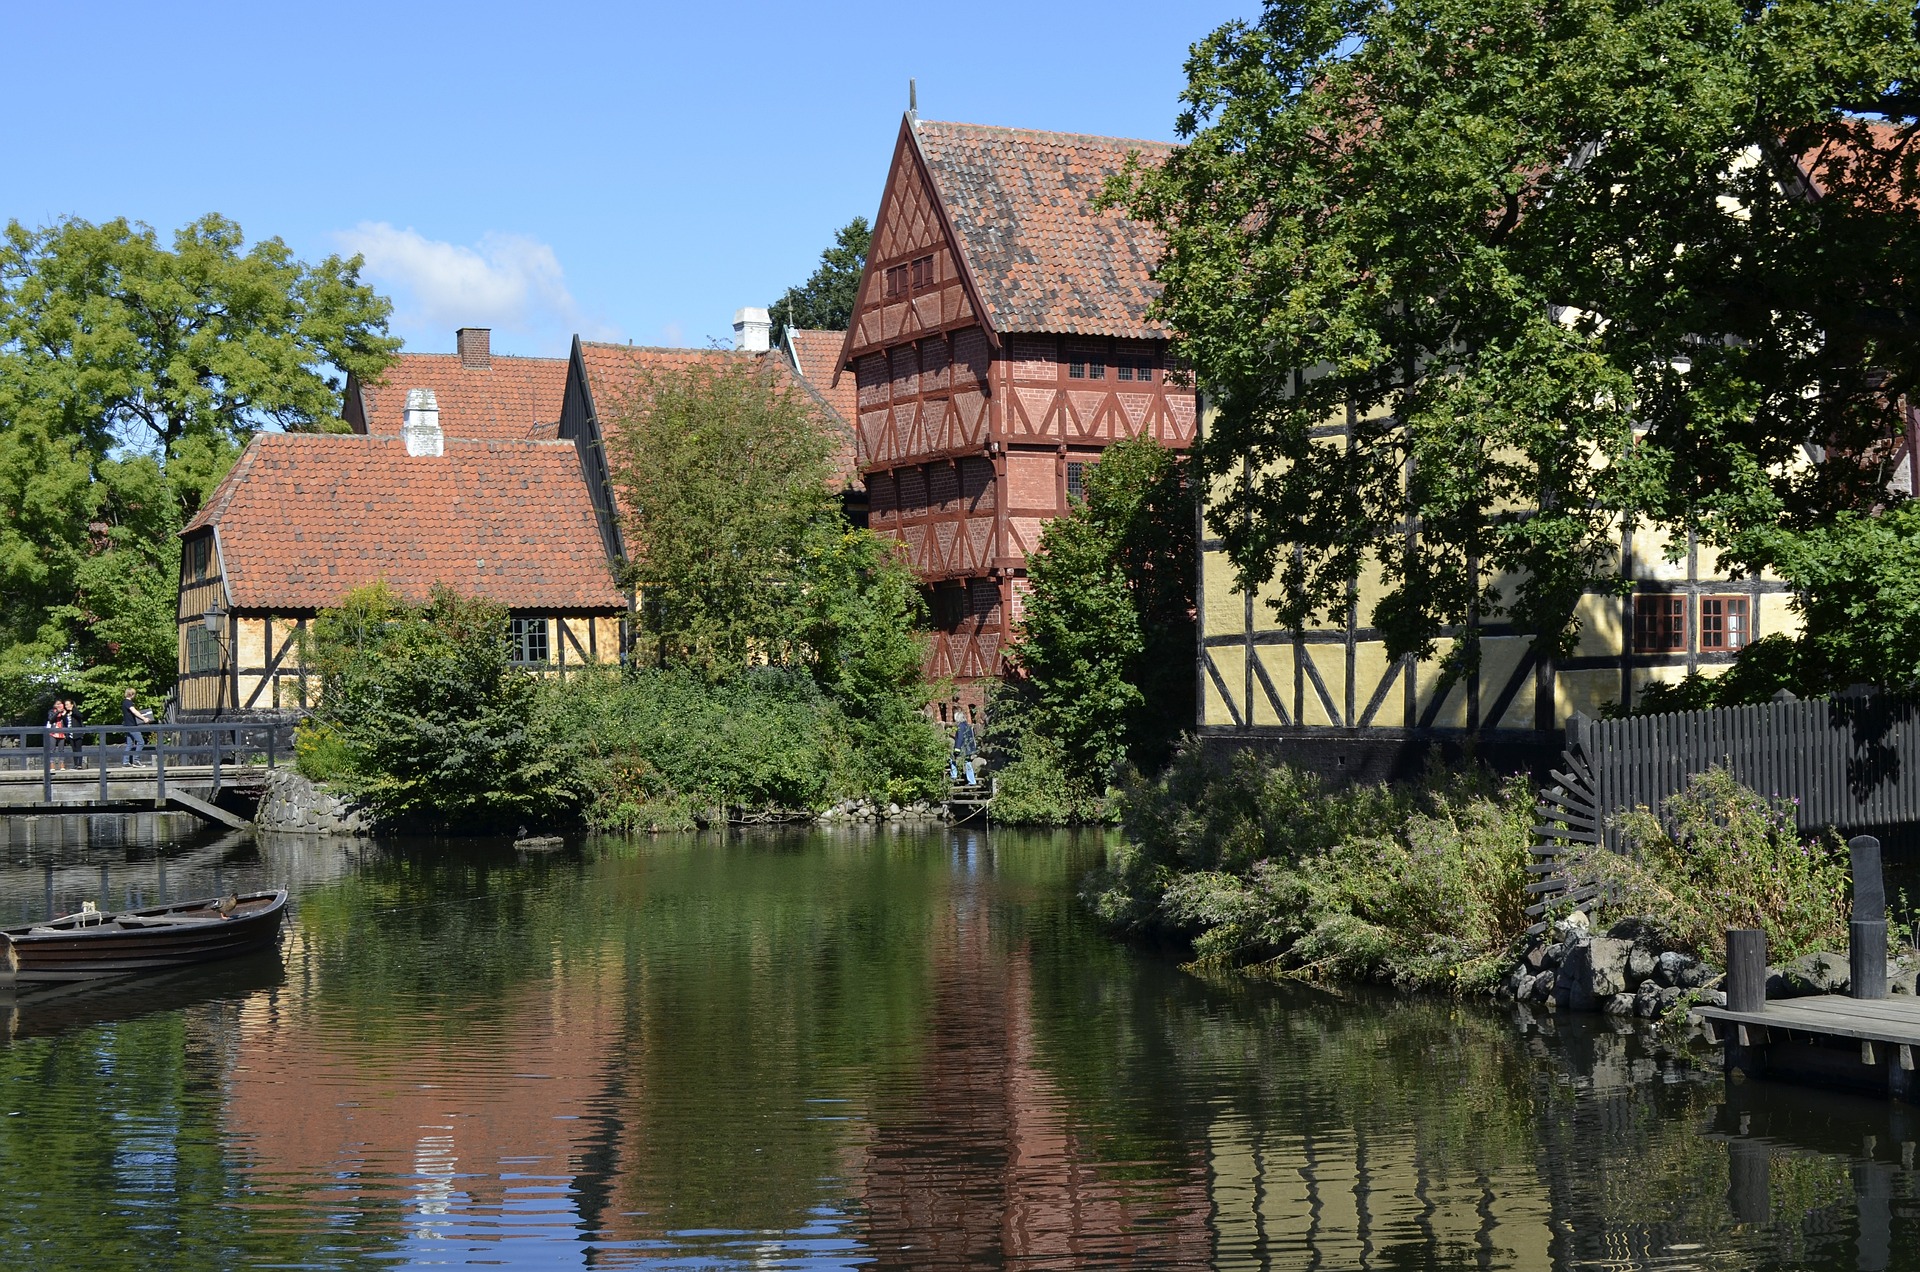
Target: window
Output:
[(203, 648), (1723, 624), (527, 641), (896, 281), (922, 272), (949, 606), (197, 558), (1134, 367), (1076, 480), (1088, 367), (1659, 623)]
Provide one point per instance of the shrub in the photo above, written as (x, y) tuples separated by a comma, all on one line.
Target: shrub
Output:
[(1254, 863), (1723, 856)]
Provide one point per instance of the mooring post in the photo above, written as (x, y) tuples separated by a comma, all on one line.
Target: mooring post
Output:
[(1867, 931), (1746, 969)]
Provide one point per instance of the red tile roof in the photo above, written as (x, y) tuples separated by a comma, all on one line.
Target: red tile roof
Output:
[(1875, 160), (304, 517), (504, 401), (1021, 203), (614, 371)]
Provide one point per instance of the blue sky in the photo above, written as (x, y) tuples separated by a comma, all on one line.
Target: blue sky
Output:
[(629, 172)]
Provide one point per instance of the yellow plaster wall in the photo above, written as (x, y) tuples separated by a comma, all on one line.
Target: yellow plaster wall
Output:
[(1331, 662), (1224, 609), (1499, 656), (1277, 661), (1453, 712), (1370, 666), (250, 644), (1585, 691), (1602, 629), (1231, 661), (1777, 615)]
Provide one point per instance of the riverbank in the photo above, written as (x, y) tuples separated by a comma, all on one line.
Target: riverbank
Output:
[(1262, 870)]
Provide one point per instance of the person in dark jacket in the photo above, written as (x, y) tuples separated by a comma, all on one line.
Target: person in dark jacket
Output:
[(132, 717), (74, 738), (964, 744)]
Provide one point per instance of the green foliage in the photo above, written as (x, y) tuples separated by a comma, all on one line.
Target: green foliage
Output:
[(825, 301), (724, 473), (423, 717), (1541, 256), (1031, 782), (1104, 661), (130, 376), (1722, 856), (1260, 864)]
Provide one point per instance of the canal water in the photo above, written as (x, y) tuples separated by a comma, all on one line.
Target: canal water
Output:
[(893, 1050)]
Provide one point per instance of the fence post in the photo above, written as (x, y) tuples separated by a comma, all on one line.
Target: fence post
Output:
[(1867, 930), (273, 738), (215, 739), (46, 766), (1746, 969), (100, 758), (160, 765)]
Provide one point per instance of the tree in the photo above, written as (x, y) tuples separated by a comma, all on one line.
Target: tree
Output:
[(825, 301), (1554, 265), (130, 377), (1104, 660), (423, 715), (723, 471)]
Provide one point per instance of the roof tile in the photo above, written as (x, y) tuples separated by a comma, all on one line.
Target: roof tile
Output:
[(510, 399)]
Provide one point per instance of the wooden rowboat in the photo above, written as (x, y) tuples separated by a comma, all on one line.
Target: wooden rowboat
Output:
[(96, 943)]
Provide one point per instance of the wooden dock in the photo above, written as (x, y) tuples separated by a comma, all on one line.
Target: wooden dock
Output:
[(1856, 1044)]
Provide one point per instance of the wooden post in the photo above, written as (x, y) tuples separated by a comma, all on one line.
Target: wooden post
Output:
[(46, 766), (160, 765), (1867, 931), (214, 737), (1746, 969), (101, 759), (1749, 1167)]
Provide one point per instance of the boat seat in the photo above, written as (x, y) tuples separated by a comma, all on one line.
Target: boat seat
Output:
[(160, 920)]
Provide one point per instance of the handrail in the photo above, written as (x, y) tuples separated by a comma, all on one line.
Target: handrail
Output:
[(102, 749)]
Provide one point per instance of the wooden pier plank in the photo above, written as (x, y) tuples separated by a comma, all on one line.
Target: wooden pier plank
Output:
[(1888, 1020)]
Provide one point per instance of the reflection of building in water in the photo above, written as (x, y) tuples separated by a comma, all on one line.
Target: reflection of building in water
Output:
[(983, 1162), (483, 1135)]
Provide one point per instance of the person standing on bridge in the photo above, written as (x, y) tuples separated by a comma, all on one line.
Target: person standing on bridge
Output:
[(964, 744), (56, 739), (74, 740), (133, 717)]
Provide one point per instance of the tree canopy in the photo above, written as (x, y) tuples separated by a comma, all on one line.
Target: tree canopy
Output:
[(1553, 263), (825, 301), (131, 374)]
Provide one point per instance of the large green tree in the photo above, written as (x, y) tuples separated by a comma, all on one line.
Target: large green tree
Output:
[(1105, 655), (1553, 263), (131, 374), (825, 301)]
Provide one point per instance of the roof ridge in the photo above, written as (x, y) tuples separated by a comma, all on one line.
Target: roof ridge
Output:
[(1043, 133)]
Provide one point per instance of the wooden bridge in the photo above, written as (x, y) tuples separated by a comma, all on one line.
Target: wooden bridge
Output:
[(177, 766)]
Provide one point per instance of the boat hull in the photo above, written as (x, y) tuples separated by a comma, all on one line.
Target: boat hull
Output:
[(85, 947)]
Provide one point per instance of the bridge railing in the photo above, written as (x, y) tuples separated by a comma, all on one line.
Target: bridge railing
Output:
[(105, 751)]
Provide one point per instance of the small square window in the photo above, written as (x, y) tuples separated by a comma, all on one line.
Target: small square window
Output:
[(1659, 623), (1134, 367), (1086, 368), (527, 641), (896, 280), (1724, 626), (1076, 480)]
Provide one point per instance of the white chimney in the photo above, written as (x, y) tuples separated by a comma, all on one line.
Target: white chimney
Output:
[(422, 427), (752, 330)]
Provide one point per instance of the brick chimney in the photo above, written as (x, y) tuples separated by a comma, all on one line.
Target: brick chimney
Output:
[(752, 330), (476, 346)]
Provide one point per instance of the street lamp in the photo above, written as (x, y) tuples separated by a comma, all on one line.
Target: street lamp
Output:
[(213, 617)]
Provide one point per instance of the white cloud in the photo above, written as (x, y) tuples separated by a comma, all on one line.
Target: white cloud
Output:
[(506, 281)]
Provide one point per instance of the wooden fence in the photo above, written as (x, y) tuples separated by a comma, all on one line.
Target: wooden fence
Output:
[(211, 752), (1851, 762)]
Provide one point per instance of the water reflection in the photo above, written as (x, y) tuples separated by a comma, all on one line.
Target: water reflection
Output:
[(827, 1051)]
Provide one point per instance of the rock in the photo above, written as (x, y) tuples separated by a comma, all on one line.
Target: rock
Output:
[(1646, 1000), (1607, 958), (1714, 998), (893, 810), (1575, 924), (1640, 929), (1641, 963), (1903, 980), (1521, 984), (1535, 958), (1822, 973), (292, 803), (1675, 968), (1553, 955), (1620, 1005), (1541, 991)]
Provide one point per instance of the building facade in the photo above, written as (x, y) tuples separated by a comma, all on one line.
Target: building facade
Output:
[(303, 519), (1000, 343)]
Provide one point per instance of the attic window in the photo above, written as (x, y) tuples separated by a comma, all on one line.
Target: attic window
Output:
[(1090, 367), (1135, 367), (896, 281), (922, 272)]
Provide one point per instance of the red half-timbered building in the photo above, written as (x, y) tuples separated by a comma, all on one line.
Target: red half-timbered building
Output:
[(999, 344)]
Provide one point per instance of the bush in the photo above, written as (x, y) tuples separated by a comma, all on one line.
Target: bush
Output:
[(1254, 863), (1723, 856), (423, 717), (1031, 786)]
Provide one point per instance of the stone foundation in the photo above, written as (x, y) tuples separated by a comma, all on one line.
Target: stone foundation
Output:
[(294, 805)]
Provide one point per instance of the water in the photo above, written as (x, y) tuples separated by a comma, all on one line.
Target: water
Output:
[(823, 1051)]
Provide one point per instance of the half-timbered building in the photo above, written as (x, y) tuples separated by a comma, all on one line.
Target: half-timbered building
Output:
[(304, 518), (999, 344)]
